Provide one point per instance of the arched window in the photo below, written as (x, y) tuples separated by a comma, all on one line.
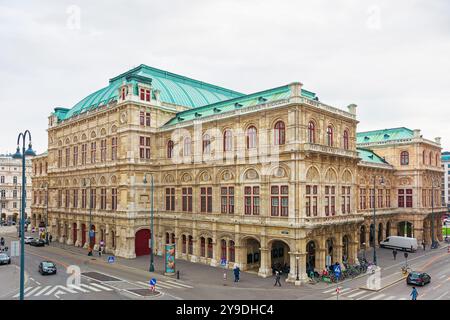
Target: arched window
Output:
[(169, 149), (311, 132), (227, 140), (404, 158), (280, 134), (206, 144), (187, 146), (251, 137), (346, 139), (330, 136)]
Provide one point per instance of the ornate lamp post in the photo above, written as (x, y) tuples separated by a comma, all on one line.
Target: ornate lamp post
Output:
[(22, 155), (152, 267)]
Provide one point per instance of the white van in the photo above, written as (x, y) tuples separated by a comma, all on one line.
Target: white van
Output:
[(401, 243)]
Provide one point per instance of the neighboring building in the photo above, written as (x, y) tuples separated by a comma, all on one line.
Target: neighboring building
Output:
[(270, 177), (445, 158), (39, 190), (11, 188)]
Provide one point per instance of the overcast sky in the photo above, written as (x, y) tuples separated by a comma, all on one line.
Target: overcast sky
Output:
[(391, 58)]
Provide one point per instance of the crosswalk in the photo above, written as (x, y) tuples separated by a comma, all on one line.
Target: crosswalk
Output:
[(56, 290), (169, 284), (359, 294)]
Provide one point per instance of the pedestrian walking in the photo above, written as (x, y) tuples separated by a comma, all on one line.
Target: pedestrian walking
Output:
[(414, 293), (277, 278), (90, 251), (423, 245), (236, 272), (100, 251), (50, 238), (102, 246), (394, 253)]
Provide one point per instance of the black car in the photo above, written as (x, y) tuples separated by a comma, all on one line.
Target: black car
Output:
[(47, 267), (418, 278), (37, 243)]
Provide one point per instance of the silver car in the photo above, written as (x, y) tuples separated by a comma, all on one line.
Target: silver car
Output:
[(4, 259), (28, 240)]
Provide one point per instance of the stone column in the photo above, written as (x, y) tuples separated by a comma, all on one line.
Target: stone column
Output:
[(240, 256), (79, 235), (320, 258), (70, 234), (61, 232), (215, 260), (195, 250), (264, 268), (292, 276)]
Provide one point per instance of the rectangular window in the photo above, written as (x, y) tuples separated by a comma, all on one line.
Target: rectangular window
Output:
[(114, 199), (251, 200), (83, 198), (103, 150), (345, 198), (279, 201), (114, 148), (59, 198), (93, 151), (144, 149), (227, 200), (75, 156), (330, 200), (144, 94), (380, 198), (93, 200), (311, 200), (147, 119), (142, 118), (401, 198), (75, 198), (206, 199), (84, 154), (187, 199), (67, 157), (371, 198), (103, 198), (59, 158), (409, 198), (170, 199), (388, 198)]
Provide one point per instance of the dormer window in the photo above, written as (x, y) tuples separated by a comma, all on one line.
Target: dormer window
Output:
[(386, 136), (217, 110), (366, 138), (237, 105), (144, 94), (262, 99), (198, 115)]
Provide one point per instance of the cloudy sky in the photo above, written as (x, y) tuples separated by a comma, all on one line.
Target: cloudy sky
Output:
[(391, 58)]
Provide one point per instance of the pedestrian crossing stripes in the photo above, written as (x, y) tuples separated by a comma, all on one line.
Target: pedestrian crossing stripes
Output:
[(166, 284), (359, 294), (59, 289)]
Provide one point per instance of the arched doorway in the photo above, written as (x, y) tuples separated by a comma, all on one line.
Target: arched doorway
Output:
[(380, 232), (405, 229), (362, 236), (345, 248), (83, 234), (141, 242), (279, 255), (74, 232), (310, 256), (253, 257), (388, 229)]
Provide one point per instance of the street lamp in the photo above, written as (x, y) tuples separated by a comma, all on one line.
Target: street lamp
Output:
[(90, 209), (46, 212), (152, 267), (22, 155), (374, 218)]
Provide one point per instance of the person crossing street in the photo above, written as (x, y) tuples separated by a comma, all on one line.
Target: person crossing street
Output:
[(414, 293), (394, 253)]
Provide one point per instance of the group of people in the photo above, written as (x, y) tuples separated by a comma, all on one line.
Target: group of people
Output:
[(101, 249)]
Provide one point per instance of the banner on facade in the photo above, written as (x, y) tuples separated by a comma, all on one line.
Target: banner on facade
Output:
[(169, 259)]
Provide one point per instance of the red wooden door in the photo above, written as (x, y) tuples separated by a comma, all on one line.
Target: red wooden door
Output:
[(141, 242)]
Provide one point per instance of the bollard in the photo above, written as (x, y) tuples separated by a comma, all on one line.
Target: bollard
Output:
[(178, 274)]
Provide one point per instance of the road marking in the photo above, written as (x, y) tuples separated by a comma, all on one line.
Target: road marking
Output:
[(356, 294), (89, 287), (29, 293), (78, 288), (42, 291), (25, 291), (53, 290), (341, 292), (329, 291), (390, 298), (158, 284), (378, 297), (441, 296), (367, 295), (101, 287), (180, 284)]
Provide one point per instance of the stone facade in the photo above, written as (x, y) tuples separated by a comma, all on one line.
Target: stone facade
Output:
[(275, 180)]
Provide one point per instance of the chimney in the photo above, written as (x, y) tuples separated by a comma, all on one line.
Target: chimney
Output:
[(352, 108), (438, 140), (157, 94), (296, 89), (416, 133)]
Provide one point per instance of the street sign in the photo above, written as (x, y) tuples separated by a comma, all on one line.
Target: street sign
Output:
[(337, 270), (111, 259), (15, 248)]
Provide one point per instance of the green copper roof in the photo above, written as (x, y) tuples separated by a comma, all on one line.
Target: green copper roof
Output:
[(370, 156), (174, 89), (384, 135), (445, 156), (253, 99)]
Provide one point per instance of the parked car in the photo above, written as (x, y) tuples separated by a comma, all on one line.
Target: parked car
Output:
[(418, 278), (401, 243), (27, 240), (5, 259), (37, 243), (47, 267)]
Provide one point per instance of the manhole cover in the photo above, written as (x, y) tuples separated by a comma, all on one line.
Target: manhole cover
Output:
[(144, 292), (99, 276)]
